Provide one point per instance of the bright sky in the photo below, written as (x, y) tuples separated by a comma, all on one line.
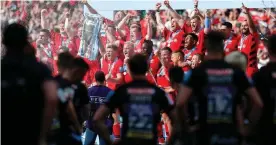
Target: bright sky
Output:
[(106, 7)]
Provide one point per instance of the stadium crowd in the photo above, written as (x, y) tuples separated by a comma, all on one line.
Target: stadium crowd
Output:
[(40, 16), (167, 38)]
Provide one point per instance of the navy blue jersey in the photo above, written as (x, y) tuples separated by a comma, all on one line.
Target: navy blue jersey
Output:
[(218, 87), (80, 99), (265, 82), (22, 97), (140, 104), (65, 93)]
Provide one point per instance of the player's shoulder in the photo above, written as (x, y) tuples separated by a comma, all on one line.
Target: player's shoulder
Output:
[(42, 68), (265, 70)]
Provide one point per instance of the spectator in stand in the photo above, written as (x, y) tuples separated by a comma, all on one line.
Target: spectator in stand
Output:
[(249, 42), (196, 25), (178, 59), (174, 37), (196, 60), (136, 36), (154, 63), (191, 41), (63, 38), (231, 39), (110, 65), (128, 52), (163, 81)]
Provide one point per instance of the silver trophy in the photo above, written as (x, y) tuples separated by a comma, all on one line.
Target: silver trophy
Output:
[(90, 43)]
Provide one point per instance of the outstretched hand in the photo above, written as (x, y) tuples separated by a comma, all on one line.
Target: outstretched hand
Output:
[(167, 3), (158, 6), (244, 8)]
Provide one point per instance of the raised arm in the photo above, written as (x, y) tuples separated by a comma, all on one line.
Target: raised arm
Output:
[(120, 28), (149, 28), (44, 24), (249, 19), (123, 21), (196, 11), (161, 26), (173, 13), (111, 38), (102, 47), (207, 22), (89, 7), (68, 27)]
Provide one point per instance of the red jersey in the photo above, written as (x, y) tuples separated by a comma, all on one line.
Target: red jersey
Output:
[(249, 45), (231, 44), (94, 67), (188, 55), (174, 40), (154, 65), (138, 45), (77, 42), (60, 41), (144, 28), (127, 77), (120, 47), (200, 42), (163, 77), (46, 54), (187, 28), (113, 68)]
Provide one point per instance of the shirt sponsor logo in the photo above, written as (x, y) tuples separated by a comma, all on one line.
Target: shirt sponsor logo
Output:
[(219, 75), (147, 91), (219, 71)]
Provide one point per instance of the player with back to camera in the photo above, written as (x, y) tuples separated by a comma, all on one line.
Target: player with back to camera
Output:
[(97, 95), (28, 91), (70, 129), (217, 86), (139, 102), (265, 81)]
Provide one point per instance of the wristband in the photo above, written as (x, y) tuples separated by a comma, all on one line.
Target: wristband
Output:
[(207, 22)]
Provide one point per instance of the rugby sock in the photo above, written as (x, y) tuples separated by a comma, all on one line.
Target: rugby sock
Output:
[(117, 130), (160, 133), (167, 131)]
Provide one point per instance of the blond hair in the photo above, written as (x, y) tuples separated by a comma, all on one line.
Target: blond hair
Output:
[(237, 59), (129, 43)]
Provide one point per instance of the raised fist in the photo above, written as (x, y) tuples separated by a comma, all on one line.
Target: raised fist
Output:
[(244, 8), (167, 3), (158, 6), (195, 4)]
